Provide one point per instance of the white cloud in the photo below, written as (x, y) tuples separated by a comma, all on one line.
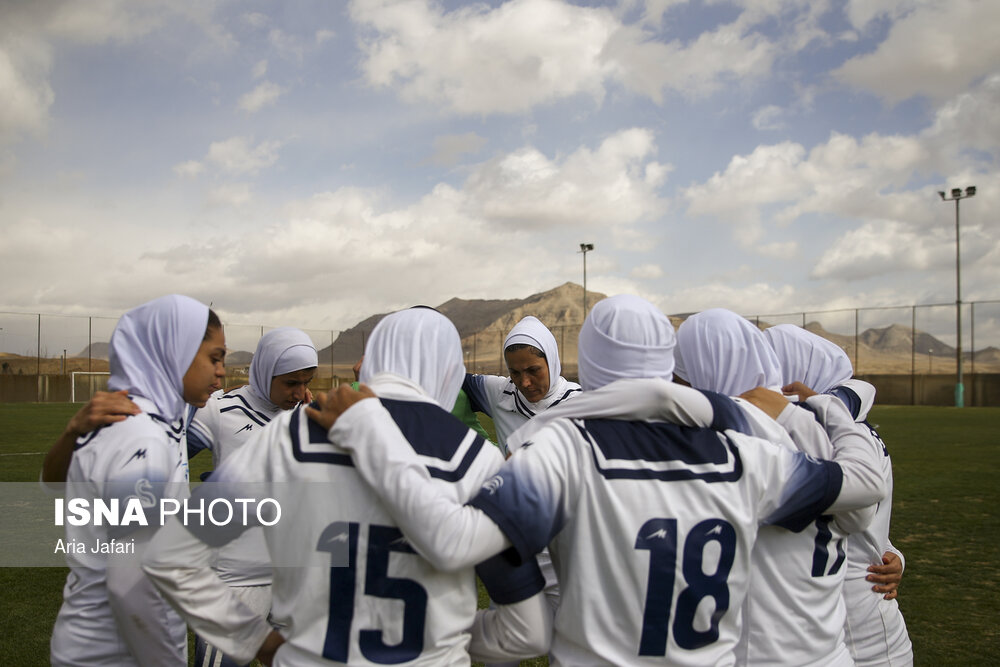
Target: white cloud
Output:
[(237, 155), (265, 94), (449, 149), (27, 96), (525, 53), (323, 36), (260, 69), (770, 117), (614, 185), (189, 169), (938, 49)]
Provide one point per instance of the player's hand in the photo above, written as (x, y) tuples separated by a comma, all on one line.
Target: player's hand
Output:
[(887, 576), (357, 368), (336, 403), (106, 407), (270, 646), (797, 389), (771, 402)]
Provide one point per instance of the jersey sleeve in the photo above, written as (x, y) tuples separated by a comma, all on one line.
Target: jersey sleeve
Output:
[(179, 565), (795, 489), (449, 534), (482, 391), (201, 428), (859, 456), (530, 498), (521, 625)]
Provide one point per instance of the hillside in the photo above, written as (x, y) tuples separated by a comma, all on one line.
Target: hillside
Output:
[(483, 324)]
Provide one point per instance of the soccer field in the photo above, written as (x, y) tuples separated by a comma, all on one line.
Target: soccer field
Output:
[(945, 520)]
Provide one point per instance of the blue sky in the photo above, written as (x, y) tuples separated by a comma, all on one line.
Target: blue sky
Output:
[(312, 163)]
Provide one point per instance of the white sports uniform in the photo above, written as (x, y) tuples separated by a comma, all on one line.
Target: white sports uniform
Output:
[(794, 612), (875, 630), (111, 613), (365, 597), (391, 606), (499, 398), (224, 425), (113, 616), (645, 520)]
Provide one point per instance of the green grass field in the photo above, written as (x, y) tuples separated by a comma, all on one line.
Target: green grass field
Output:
[(945, 520)]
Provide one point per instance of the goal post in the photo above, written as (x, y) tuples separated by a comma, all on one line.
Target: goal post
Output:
[(83, 384)]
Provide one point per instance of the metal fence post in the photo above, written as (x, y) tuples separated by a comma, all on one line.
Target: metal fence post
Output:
[(972, 353), (913, 356), (857, 366)]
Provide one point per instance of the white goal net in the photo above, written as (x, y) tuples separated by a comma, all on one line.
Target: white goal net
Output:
[(83, 385)]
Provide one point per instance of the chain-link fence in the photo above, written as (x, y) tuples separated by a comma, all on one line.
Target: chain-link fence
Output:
[(908, 352)]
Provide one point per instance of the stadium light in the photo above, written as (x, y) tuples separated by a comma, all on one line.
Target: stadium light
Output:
[(585, 248), (957, 196)]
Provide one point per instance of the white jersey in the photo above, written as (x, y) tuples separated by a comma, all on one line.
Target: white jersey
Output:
[(875, 630), (143, 457), (794, 612), (656, 522), (498, 397), (226, 422), (376, 601)]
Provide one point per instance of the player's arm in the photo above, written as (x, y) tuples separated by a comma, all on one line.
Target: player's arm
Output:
[(103, 409), (138, 609), (179, 564), (862, 484), (520, 626), (447, 533)]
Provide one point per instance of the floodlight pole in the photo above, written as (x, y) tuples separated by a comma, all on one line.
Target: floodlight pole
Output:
[(585, 248), (957, 196)]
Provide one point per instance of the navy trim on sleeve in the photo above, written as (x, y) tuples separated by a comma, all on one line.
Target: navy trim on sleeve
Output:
[(726, 414), (507, 583), (474, 388), (850, 399), (814, 485)]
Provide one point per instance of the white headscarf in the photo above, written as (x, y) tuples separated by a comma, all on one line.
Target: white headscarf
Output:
[(152, 347), (814, 361), (279, 351), (531, 331), (420, 345), (625, 336), (725, 353)]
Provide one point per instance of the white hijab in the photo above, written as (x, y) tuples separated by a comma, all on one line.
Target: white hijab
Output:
[(152, 347), (420, 345), (279, 351), (531, 331), (625, 336), (814, 361), (723, 352)]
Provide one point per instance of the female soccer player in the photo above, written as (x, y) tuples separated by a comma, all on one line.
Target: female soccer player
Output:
[(875, 630), (283, 365), (165, 353), (534, 385)]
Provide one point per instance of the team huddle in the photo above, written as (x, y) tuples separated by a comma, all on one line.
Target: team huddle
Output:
[(712, 495)]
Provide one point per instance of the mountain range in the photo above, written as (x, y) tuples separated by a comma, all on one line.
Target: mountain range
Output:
[(484, 323)]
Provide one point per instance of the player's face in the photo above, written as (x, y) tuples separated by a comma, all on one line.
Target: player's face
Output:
[(528, 372), (205, 373), (289, 389)]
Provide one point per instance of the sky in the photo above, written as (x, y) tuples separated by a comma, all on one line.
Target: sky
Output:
[(313, 162)]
